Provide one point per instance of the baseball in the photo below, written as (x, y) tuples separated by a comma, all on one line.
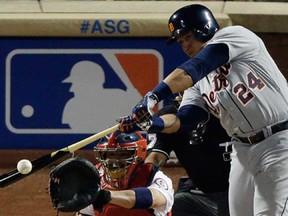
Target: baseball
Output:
[(24, 166)]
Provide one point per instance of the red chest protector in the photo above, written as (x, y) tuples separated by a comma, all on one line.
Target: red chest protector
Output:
[(141, 177)]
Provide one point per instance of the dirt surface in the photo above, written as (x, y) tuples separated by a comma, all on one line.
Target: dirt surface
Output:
[(29, 196)]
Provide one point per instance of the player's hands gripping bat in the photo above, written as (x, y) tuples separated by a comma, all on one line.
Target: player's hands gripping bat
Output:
[(142, 112), (141, 118), (129, 124)]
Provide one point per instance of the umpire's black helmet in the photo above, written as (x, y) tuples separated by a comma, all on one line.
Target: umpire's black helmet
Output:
[(196, 18)]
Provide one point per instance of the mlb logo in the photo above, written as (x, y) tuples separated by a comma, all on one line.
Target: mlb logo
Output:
[(63, 91)]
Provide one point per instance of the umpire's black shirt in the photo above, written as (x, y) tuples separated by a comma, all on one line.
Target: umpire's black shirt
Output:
[(204, 161)]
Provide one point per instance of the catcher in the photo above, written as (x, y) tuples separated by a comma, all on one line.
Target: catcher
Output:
[(120, 184)]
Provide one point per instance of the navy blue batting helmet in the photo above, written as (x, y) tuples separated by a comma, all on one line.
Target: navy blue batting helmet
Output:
[(196, 18)]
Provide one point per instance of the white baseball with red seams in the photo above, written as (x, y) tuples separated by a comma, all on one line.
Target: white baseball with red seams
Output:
[(24, 166)]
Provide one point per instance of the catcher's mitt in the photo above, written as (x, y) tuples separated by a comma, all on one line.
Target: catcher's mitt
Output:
[(74, 184)]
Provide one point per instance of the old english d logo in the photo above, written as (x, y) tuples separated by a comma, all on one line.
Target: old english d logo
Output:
[(171, 27), (76, 90)]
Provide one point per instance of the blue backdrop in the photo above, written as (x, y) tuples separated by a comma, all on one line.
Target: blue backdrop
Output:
[(33, 94)]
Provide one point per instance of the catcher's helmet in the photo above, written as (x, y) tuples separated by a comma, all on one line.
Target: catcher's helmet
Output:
[(196, 18), (119, 154)]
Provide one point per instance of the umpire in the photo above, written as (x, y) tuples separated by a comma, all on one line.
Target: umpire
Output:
[(205, 192)]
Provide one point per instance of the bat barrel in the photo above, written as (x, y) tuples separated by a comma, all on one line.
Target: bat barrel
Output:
[(14, 175)]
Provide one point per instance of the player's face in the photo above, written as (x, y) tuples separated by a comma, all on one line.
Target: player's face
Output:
[(189, 44)]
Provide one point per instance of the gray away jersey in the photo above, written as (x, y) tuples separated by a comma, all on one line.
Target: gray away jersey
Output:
[(249, 92)]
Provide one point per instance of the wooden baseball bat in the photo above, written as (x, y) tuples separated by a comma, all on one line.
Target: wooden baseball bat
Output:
[(39, 163)]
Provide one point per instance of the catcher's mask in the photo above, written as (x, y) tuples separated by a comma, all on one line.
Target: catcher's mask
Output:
[(119, 154), (196, 18)]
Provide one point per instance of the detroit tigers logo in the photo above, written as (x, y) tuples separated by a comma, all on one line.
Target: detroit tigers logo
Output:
[(171, 27), (219, 82)]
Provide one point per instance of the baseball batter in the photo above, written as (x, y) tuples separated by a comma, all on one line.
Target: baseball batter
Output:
[(231, 75)]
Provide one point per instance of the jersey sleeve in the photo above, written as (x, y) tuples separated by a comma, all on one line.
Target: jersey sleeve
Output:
[(164, 185), (192, 96), (208, 59), (240, 41)]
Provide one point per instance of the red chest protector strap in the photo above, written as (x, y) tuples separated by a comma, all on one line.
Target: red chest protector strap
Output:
[(141, 177)]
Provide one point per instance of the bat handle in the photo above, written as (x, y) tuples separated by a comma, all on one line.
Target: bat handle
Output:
[(78, 145)]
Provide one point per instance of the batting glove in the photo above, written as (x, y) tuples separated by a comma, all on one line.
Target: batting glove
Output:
[(142, 112), (128, 124)]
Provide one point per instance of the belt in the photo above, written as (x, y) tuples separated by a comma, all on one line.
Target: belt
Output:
[(260, 136)]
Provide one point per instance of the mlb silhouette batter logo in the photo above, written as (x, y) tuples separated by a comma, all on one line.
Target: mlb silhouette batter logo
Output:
[(76, 90)]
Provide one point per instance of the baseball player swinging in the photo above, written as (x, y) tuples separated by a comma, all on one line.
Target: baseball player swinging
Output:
[(231, 75)]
